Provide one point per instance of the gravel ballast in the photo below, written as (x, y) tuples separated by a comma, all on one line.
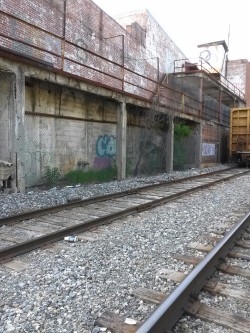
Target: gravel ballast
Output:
[(66, 287)]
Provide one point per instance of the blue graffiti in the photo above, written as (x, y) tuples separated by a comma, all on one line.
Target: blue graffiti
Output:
[(106, 146)]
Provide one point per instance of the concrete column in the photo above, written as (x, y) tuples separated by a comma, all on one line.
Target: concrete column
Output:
[(18, 119), (198, 152), (201, 96), (12, 135), (220, 107), (219, 147), (7, 96), (170, 145), (121, 140)]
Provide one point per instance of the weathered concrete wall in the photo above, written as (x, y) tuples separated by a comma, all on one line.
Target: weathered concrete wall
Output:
[(146, 151), (71, 130), (12, 138), (68, 129), (146, 144), (186, 148), (12, 123)]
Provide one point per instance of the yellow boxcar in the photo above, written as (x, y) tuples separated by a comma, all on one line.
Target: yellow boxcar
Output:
[(240, 135)]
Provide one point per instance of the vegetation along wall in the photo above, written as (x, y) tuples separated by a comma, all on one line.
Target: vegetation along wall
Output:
[(66, 129)]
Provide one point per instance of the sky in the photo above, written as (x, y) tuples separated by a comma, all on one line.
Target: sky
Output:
[(193, 22)]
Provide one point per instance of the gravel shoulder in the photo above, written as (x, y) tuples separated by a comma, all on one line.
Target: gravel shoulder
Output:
[(66, 287)]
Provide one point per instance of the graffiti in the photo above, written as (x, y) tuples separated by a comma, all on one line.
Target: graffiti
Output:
[(208, 149), (206, 55), (36, 159), (102, 163), (150, 158), (214, 56), (106, 146), (81, 54)]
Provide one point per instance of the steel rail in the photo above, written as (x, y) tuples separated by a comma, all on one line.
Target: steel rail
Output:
[(169, 312), (12, 251), (82, 202)]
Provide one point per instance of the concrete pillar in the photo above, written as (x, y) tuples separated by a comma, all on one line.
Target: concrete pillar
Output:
[(220, 107), (20, 129), (170, 145), (198, 153), (219, 146), (201, 96), (121, 140), (7, 99), (12, 136)]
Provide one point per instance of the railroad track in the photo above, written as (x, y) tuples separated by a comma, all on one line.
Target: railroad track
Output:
[(25, 232), (185, 298)]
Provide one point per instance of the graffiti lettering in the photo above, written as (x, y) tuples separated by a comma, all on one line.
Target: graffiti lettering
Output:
[(208, 149), (106, 146), (102, 163)]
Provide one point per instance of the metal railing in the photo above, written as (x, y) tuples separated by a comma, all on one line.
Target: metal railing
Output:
[(199, 64)]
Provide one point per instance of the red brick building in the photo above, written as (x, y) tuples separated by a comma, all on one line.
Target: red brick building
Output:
[(79, 89)]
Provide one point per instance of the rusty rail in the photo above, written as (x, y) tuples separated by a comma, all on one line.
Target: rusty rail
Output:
[(7, 253), (182, 298)]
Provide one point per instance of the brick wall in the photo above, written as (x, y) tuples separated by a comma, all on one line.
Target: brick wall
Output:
[(210, 143), (247, 91), (157, 43), (93, 47), (236, 73), (45, 14)]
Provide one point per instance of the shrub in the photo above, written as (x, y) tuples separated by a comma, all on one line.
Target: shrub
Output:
[(51, 176), (181, 131)]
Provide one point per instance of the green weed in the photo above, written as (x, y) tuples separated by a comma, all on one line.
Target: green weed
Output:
[(81, 176), (51, 176)]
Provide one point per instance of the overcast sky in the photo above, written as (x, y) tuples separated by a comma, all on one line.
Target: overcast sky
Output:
[(192, 22)]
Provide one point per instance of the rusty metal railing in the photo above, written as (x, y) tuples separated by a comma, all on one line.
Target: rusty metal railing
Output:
[(136, 77), (199, 64)]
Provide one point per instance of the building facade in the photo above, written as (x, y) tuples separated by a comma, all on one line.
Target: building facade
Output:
[(80, 91), (238, 72)]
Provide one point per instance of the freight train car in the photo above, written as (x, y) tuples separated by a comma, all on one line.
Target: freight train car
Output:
[(240, 136)]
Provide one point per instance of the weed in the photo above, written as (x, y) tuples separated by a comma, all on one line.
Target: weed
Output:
[(181, 131), (51, 176), (81, 176)]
